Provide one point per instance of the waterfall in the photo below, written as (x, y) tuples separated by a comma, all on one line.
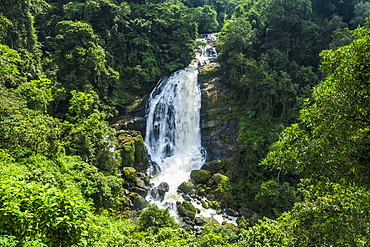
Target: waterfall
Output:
[(173, 139)]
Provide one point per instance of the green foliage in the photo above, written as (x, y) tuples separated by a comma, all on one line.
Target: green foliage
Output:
[(106, 231), (37, 93), (275, 198), (8, 241), (218, 235), (105, 191), (330, 145), (159, 38), (361, 12), (331, 139), (52, 169), (89, 134), (269, 52), (4, 24), (153, 218), (206, 19), (31, 211), (21, 34), (81, 60), (129, 172), (9, 72), (331, 214), (27, 131), (81, 105)]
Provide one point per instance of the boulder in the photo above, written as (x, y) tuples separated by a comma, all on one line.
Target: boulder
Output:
[(186, 187), (187, 228), (186, 209), (163, 188), (132, 149), (154, 193), (218, 178), (199, 221), (246, 212), (186, 197), (211, 196), (139, 183), (189, 221), (159, 192), (129, 172), (213, 166), (141, 191), (200, 176), (231, 212), (139, 202)]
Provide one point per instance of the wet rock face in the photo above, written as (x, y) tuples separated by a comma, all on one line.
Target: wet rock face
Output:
[(159, 192), (163, 188), (218, 129)]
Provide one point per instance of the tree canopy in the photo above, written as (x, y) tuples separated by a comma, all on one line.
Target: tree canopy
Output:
[(68, 67)]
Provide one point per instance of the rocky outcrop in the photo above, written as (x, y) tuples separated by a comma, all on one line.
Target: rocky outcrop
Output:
[(159, 192), (219, 129), (186, 187), (136, 188), (132, 149), (200, 176), (134, 119), (186, 209)]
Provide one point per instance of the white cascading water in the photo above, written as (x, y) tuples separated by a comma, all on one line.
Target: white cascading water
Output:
[(173, 139)]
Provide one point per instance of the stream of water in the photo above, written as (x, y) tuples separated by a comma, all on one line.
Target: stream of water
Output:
[(173, 138)]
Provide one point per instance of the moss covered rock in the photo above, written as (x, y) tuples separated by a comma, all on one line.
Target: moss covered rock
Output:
[(200, 176), (214, 204), (139, 201), (223, 191), (186, 187), (132, 149), (129, 172), (186, 209), (219, 178)]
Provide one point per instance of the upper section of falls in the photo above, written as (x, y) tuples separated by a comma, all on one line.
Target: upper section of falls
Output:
[(173, 117), (208, 51)]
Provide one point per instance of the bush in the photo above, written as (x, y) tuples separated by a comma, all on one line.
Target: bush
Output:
[(153, 218)]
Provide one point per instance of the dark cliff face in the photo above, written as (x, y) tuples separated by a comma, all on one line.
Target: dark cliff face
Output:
[(134, 118), (219, 128)]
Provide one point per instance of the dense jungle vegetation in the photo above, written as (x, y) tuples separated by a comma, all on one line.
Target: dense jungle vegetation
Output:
[(300, 75)]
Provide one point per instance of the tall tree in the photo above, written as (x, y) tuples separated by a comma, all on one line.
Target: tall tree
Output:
[(332, 138)]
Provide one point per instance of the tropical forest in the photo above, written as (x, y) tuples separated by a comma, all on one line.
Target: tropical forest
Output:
[(197, 123)]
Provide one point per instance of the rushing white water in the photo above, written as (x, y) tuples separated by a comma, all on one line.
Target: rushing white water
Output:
[(173, 137)]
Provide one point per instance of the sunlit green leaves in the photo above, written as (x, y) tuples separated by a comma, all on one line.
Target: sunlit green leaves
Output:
[(33, 211), (37, 93), (9, 62), (153, 218), (332, 137)]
